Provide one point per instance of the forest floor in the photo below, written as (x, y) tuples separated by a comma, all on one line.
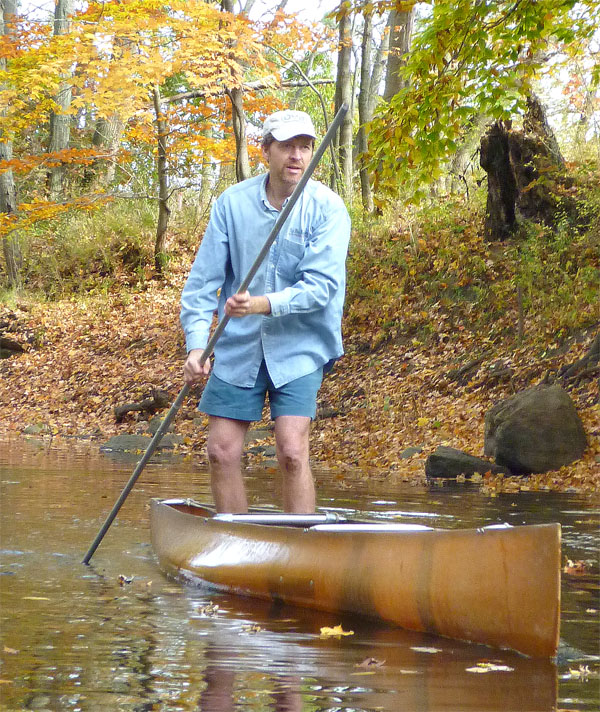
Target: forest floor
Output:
[(85, 355)]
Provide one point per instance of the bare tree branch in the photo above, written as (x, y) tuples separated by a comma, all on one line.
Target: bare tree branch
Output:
[(311, 84)]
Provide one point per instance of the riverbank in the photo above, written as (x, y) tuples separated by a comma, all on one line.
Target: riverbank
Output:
[(382, 411)]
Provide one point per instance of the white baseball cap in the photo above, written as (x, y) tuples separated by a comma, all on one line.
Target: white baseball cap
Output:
[(283, 125)]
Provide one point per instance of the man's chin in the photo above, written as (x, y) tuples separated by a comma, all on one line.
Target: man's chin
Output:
[(293, 178)]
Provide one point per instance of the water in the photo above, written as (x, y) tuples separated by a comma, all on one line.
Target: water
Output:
[(117, 635)]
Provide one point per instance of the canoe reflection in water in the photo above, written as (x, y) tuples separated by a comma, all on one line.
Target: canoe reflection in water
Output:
[(287, 667)]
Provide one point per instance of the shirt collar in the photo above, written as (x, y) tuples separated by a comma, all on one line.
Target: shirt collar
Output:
[(263, 195)]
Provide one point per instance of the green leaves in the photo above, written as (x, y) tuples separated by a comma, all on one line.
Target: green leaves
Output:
[(467, 59)]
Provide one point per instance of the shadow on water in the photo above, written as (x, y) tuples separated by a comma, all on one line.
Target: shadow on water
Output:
[(117, 635)]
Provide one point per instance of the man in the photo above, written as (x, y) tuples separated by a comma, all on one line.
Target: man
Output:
[(285, 329)]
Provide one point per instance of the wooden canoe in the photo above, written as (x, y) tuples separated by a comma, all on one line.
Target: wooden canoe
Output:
[(499, 586)]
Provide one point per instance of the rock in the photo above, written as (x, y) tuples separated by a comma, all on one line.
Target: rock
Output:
[(537, 430), (154, 424), (137, 443), (266, 450), (449, 462), (259, 434), (409, 452), (9, 347), (38, 429)]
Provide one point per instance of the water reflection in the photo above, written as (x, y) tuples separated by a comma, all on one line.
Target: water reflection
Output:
[(380, 669), (118, 636)]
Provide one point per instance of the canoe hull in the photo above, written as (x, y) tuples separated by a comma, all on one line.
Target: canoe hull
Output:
[(500, 587)]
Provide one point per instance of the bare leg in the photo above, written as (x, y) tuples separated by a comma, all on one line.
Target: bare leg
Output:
[(224, 445), (292, 443)]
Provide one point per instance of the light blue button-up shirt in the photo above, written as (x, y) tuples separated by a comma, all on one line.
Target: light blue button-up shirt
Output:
[(303, 276)]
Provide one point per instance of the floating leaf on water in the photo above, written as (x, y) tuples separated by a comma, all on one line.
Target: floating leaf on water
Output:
[(581, 673), (254, 628), (489, 667), (124, 580), (10, 651), (426, 650), (335, 632), (210, 609), (575, 568), (371, 663)]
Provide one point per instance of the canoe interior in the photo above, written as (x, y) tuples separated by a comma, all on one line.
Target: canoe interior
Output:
[(497, 585)]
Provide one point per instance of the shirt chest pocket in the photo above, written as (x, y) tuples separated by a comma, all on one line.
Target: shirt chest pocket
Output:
[(290, 253)]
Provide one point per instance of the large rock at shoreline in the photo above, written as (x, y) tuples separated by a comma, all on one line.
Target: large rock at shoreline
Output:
[(537, 430)]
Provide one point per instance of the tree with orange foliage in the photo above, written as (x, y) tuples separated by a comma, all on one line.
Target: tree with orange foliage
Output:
[(159, 75)]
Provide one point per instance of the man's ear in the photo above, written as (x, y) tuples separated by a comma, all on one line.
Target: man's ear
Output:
[(265, 153)]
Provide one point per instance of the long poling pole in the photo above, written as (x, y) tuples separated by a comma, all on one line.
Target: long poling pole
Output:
[(210, 346)]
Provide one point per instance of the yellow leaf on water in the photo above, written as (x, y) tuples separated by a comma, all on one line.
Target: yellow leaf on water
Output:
[(489, 667), (335, 632)]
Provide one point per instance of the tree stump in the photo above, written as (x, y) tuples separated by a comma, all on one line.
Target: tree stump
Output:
[(526, 177)]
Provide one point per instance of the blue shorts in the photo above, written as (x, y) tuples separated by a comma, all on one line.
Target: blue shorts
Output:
[(298, 397)]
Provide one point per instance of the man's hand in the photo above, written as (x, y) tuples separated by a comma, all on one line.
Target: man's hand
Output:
[(243, 304), (193, 371)]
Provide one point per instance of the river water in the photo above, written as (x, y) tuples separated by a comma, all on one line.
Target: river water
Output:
[(117, 635)]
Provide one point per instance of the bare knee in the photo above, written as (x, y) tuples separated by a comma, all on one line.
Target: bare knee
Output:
[(222, 453), (292, 456)]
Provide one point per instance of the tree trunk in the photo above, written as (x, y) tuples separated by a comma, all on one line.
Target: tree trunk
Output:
[(8, 195), (364, 116), (163, 185), (107, 134), (463, 157), (500, 215), (401, 28), (60, 123), (379, 65), (238, 118), (343, 94), (536, 122)]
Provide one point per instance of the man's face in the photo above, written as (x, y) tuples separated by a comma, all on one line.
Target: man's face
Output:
[(287, 160)]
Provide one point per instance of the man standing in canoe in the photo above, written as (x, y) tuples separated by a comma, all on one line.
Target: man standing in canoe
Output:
[(285, 330)]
